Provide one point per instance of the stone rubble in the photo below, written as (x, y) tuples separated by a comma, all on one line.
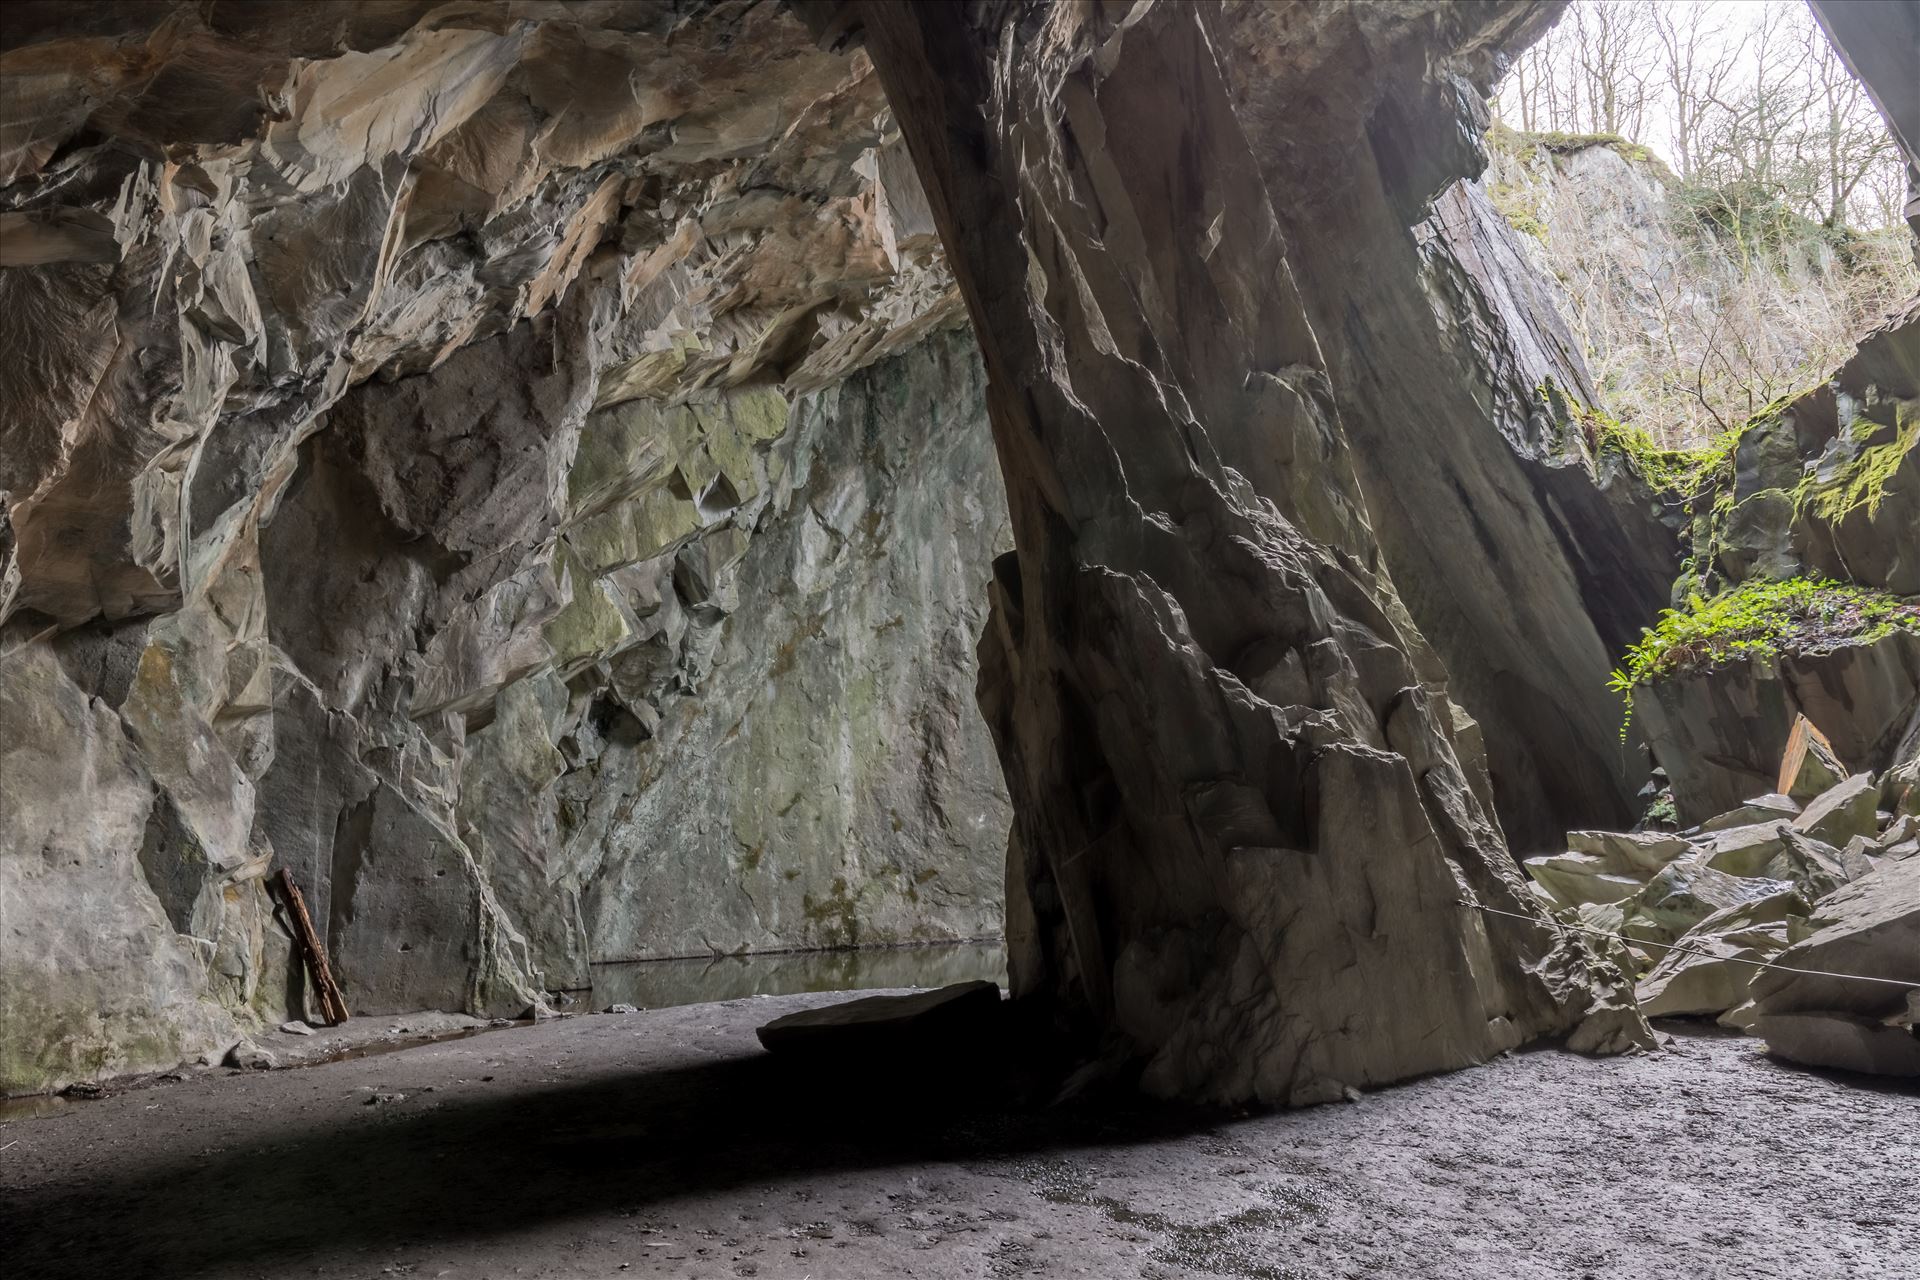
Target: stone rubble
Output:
[(1833, 887)]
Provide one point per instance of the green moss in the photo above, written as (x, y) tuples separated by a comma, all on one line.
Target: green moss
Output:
[(1673, 473), (1759, 620), (1528, 225), (1517, 142), (1862, 483), (1567, 143)]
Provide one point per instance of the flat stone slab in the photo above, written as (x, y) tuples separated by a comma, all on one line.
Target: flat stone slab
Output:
[(925, 1019)]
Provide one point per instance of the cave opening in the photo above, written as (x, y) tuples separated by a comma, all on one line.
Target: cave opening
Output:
[(1221, 557)]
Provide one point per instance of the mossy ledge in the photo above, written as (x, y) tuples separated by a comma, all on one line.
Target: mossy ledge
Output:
[(1760, 621)]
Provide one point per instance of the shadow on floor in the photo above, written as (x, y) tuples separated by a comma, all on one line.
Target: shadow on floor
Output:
[(474, 1168)]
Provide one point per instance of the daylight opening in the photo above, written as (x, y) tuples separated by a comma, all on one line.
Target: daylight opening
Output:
[(1716, 193)]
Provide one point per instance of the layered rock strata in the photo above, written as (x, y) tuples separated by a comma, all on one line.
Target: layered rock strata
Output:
[(1826, 486), (450, 456)]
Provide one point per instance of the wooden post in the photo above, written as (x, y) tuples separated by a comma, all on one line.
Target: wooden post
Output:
[(333, 1007)]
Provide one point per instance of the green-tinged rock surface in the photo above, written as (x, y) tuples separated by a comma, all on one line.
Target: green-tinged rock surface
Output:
[(94, 977)]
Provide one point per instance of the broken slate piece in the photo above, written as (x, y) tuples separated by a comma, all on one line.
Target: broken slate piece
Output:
[(1825, 1014), (1842, 812), (1744, 851), (1841, 1040), (1809, 765), (1573, 879), (1628, 853), (1767, 808), (249, 1056)]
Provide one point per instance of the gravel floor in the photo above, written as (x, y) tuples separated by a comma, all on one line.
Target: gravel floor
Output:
[(666, 1144)]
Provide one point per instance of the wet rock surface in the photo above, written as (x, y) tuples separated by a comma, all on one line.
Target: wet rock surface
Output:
[(667, 1144)]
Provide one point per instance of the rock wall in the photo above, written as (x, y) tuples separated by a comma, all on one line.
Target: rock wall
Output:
[(1692, 319), (761, 737), (396, 461), (1826, 486), (1250, 826), (452, 456), (1439, 338), (832, 784)]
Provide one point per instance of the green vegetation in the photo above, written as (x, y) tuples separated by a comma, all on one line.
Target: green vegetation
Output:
[(1757, 226), (1759, 620), (1862, 484), (1672, 473), (1518, 141)]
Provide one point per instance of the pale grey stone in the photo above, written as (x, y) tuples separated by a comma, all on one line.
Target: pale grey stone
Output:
[(1843, 812)]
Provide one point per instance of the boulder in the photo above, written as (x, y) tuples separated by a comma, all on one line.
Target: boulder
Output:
[(1901, 787), (1573, 879), (1629, 852), (1808, 766), (248, 1056), (1684, 894), (1896, 840), (1711, 976), (1856, 971), (1843, 811), (1813, 866), (1841, 1041), (1710, 969), (1744, 851)]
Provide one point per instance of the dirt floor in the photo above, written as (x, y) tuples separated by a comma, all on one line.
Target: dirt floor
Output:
[(667, 1144)]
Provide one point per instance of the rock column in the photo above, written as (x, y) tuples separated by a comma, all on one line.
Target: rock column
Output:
[(1246, 811)]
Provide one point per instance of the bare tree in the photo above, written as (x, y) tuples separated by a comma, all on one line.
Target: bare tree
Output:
[(1747, 99), (1761, 283), (1697, 60)]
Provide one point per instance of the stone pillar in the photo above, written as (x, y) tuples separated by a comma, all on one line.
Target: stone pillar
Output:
[(1246, 812)]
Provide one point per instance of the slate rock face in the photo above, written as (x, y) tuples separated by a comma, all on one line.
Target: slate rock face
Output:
[(516, 473), (1239, 797), (388, 458), (1453, 367), (94, 976), (1720, 733), (832, 784)]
